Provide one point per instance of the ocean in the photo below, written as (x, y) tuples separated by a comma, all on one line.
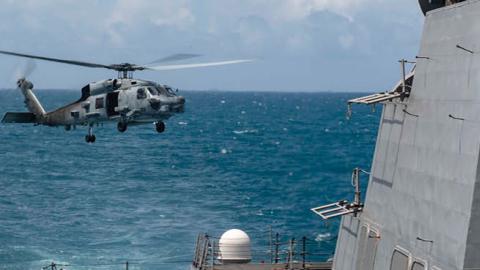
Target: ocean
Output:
[(248, 160)]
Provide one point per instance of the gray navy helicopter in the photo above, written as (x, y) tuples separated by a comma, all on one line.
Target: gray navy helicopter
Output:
[(126, 100)]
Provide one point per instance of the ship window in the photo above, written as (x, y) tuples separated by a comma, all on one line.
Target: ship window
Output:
[(399, 261), (418, 266), (99, 103), (141, 94)]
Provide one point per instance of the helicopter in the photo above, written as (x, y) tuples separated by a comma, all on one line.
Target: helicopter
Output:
[(125, 100)]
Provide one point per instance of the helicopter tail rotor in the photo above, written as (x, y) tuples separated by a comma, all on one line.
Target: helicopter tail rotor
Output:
[(26, 87), (24, 71), (30, 67)]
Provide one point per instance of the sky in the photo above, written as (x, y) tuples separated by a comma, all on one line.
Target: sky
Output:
[(298, 45)]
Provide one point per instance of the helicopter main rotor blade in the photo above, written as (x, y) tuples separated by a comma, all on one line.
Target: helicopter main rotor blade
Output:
[(128, 67), (197, 65), (175, 57), (64, 61)]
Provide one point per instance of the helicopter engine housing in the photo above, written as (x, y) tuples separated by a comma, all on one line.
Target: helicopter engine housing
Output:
[(105, 86)]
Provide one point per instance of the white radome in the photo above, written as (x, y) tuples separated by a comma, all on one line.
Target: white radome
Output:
[(234, 247)]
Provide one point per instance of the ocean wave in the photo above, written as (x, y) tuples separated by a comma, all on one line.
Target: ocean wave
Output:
[(246, 131), (322, 237)]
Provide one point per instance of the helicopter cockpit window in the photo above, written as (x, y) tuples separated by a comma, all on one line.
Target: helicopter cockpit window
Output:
[(165, 90), (141, 94), (152, 91), (161, 90), (169, 89)]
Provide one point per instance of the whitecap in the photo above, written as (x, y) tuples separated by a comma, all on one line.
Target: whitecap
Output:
[(245, 131), (323, 237), (183, 123), (224, 151)]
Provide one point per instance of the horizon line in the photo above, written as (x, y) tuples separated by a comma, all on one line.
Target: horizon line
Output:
[(223, 90)]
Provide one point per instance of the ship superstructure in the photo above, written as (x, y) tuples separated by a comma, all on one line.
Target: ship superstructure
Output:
[(422, 208)]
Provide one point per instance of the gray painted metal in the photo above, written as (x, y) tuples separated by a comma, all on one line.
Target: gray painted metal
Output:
[(313, 266), (423, 197), (22, 117), (109, 100)]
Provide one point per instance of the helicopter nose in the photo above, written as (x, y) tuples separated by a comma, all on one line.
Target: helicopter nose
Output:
[(181, 100), (180, 106)]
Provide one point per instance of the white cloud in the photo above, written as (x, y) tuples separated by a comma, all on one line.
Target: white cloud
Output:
[(300, 9), (181, 17), (280, 11), (109, 31), (134, 15)]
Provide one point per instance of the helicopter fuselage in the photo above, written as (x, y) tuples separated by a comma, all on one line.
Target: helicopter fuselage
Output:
[(126, 101), (129, 101)]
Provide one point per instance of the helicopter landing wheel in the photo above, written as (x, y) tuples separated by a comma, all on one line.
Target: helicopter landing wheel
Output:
[(160, 127), (122, 126), (90, 138)]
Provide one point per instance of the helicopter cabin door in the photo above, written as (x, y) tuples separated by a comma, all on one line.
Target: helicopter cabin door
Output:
[(112, 103)]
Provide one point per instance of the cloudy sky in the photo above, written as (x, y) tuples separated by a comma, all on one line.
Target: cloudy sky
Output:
[(300, 45)]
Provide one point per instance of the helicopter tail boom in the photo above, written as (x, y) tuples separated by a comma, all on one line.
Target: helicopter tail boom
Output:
[(31, 101)]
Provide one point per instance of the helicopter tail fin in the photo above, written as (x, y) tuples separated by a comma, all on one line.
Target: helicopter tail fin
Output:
[(31, 101)]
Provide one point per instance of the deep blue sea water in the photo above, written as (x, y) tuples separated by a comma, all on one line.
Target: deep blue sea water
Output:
[(249, 160)]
